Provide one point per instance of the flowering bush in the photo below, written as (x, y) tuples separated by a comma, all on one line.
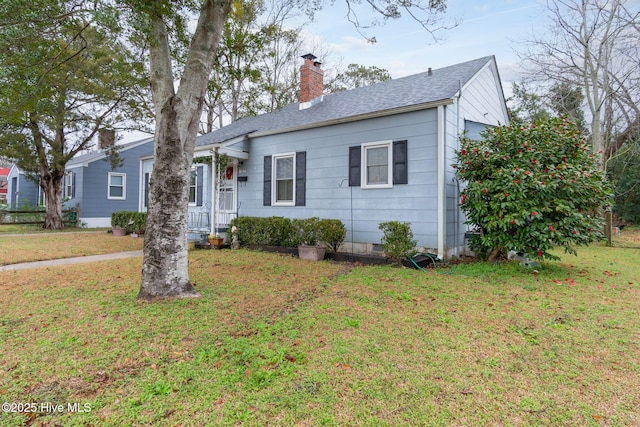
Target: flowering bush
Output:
[(530, 188)]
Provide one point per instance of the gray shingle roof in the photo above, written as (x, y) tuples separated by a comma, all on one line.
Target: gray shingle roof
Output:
[(99, 154), (439, 85)]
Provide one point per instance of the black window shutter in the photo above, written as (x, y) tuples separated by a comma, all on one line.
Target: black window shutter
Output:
[(146, 189), (73, 185), (199, 184), (266, 189), (354, 166), (400, 175), (301, 177)]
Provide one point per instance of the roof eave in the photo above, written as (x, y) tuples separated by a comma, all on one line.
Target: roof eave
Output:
[(373, 115), (85, 163)]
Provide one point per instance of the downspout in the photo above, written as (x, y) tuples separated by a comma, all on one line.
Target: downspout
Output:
[(455, 178), (442, 226)]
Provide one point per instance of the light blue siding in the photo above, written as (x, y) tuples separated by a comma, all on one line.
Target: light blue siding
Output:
[(328, 194), (481, 104), (21, 192), (91, 192)]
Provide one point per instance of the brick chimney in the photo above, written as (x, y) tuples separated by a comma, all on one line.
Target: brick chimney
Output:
[(311, 81)]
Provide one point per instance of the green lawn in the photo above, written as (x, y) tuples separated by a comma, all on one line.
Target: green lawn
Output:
[(279, 341), (53, 245)]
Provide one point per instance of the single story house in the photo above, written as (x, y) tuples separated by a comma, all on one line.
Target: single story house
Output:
[(97, 190), (23, 192), (367, 155), (364, 156), (89, 184)]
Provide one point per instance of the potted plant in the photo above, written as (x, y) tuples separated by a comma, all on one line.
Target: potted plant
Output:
[(307, 232), (215, 240), (119, 223)]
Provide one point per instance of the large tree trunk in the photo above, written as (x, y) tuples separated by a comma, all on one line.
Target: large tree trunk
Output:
[(165, 265), (51, 185), (165, 268)]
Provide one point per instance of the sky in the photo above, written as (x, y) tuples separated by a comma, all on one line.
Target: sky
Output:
[(493, 27)]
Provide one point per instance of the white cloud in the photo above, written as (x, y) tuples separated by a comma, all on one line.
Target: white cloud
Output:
[(350, 44)]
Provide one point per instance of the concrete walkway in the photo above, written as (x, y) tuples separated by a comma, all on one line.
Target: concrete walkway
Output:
[(67, 261)]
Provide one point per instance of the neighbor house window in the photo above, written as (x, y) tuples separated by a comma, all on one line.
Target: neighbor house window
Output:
[(196, 182), (380, 164), (117, 186), (283, 179), (69, 185)]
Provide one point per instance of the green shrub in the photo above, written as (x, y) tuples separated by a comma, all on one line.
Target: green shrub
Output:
[(120, 219), (332, 233), (133, 222), (137, 222), (270, 231), (307, 231), (532, 188), (397, 239), (279, 231)]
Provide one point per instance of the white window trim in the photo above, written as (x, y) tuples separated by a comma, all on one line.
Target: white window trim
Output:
[(194, 168), (363, 164), (274, 182), (67, 182), (124, 186), (42, 198)]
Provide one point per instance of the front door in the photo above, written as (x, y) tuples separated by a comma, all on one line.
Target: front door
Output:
[(147, 167), (226, 199)]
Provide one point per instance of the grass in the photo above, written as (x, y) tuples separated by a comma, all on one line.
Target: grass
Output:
[(279, 341), (45, 246)]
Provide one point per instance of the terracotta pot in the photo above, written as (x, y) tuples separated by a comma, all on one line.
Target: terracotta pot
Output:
[(117, 231), (216, 241)]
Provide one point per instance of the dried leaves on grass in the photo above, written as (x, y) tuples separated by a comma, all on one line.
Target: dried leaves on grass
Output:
[(279, 341), (46, 246)]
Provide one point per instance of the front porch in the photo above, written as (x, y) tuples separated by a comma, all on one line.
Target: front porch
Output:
[(200, 225)]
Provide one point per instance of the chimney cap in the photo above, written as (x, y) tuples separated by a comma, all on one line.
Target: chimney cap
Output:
[(309, 56)]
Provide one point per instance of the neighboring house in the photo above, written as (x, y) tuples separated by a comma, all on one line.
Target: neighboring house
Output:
[(364, 156), (22, 190), (4, 184), (97, 190), (89, 184)]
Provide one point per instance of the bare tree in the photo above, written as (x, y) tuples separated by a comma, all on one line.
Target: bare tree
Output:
[(592, 44)]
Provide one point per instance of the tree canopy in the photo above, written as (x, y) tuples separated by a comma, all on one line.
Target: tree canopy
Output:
[(592, 45), (63, 78)]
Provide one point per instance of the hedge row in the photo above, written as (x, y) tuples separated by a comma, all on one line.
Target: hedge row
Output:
[(279, 231), (134, 222)]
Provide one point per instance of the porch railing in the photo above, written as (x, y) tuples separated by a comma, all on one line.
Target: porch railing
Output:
[(200, 222), (223, 219)]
